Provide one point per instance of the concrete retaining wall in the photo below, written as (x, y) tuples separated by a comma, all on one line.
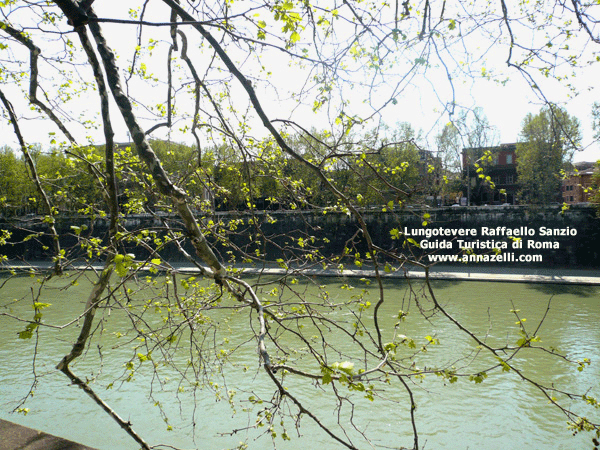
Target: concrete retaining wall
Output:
[(580, 248)]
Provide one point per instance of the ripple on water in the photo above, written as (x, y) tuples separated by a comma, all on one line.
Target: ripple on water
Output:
[(501, 413)]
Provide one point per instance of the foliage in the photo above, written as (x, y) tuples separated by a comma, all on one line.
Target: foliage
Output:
[(267, 179), (15, 186), (548, 142), (302, 129), (596, 120), (469, 136)]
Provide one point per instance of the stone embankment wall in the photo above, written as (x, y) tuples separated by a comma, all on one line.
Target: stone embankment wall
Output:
[(577, 244)]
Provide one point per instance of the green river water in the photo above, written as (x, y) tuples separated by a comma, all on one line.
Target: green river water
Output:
[(502, 412)]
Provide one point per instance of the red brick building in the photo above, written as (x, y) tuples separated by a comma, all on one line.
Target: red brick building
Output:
[(503, 172), (574, 187)]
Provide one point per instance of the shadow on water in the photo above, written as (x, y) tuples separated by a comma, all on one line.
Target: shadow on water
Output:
[(578, 290), (395, 283), (443, 284)]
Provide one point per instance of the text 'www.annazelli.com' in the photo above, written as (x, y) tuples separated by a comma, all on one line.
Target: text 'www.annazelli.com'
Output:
[(502, 257)]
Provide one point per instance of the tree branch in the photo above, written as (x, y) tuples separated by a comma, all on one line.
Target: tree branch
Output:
[(34, 53)]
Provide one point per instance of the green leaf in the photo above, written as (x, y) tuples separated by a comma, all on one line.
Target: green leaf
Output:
[(25, 334), (121, 270), (413, 242), (347, 367), (40, 305), (143, 357), (478, 378)]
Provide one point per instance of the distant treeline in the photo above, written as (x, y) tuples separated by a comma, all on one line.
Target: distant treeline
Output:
[(219, 178)]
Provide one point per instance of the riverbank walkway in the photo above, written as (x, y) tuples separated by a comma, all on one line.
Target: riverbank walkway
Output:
[(18, 437), (590, 277)]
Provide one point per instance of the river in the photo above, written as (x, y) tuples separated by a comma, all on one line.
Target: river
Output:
[(501, 412)]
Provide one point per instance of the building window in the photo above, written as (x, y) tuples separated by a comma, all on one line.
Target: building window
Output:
[(510, 179), (509, 159), (571, 198)]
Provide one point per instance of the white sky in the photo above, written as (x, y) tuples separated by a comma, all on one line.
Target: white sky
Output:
[(504, 106)]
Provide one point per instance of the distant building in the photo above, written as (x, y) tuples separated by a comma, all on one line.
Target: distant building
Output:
[(502, 171), (574, 187)]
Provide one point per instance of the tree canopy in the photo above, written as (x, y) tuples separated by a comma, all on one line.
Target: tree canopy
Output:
[(283, 102), (548, 142)]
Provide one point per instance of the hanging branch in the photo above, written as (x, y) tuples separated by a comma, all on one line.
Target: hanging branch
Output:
[(279, 314), (173, 46), (247, 85), (109, 148), (583, 23), (168, 123), (269, 368), (165, 186), (34, 52), (506, 361), (96, 297), (197, 84)]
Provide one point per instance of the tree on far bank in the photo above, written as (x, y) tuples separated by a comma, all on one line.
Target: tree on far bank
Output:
[(15, 186), (548, 142), (595, 189), (465, 140), (596, 120), (247, 83)]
